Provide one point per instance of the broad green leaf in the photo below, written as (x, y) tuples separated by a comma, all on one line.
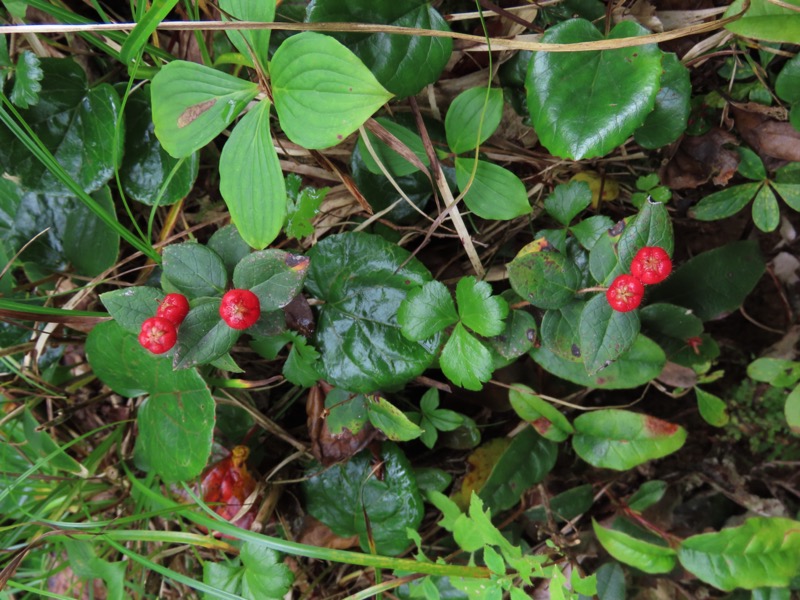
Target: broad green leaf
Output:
[(249, 162), (85, 563), (265, 576), (390, 420), (775, 371), (132, 305), (527, 460), (670, 116), (432, 479), (610, 582), (77, 124), (472, 117), (650, 227), (148, 173), (89, 244), (426, 311), (712, 408), (620, 439), (637, 553), (715, 282), (478, 308), (275, 276), (648, 494), (343, 494), (675, 321), (548, 421), (766, 212), (567, 201), (363, 280), (560, 331), (764, 552), (604, 264), (176, 421), (765, 20), (565, 506), (137, 38), (43, 445), (604, 333), (790, 193), (791, 410), (588, 231), (724, 203), (403, 64), (193, 104), (750, 165), (303, 205), (465, 360), (203, 336), (392, 161), (27, 78), (517, 337), (347, 411), (252, 43), (301, 366), (545, 278), (787, 84), (194, 270), (494, 193), (322, 91), (222, 577), (230, 246), (585, 104)]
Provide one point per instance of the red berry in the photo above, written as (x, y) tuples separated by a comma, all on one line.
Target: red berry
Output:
[(158, 335), (240, 309), (174, 307), (625, 293), (651, 265)]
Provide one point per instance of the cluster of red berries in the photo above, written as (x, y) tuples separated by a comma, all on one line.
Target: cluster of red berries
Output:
[(650, 265), (160, 333)]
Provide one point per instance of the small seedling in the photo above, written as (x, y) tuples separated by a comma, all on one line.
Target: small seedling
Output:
[(240, 309), (158, 335), (651, 265)]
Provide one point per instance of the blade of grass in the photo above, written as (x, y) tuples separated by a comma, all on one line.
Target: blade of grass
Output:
[(137, 39)]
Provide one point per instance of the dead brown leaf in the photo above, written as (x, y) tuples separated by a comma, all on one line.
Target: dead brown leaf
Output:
[(316, 533), (768, 137), (676, 375), (700, 159), (326, 447)]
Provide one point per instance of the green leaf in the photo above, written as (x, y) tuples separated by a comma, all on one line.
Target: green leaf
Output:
[(751, 166), (787, 84), (390, 420), (765, 21), (230, 246), (472, 117), (585, 104), (250, 162), (343, 494), (85, 563), (5, 60), (363, 280), (347, 411), (605, 334), (322, 91), (567, 201), (394, 162), (774, 371), (715, 282), (791, 410), (132, 305), (89, 244), (517, 337), (193, 103), (604, 264), (764, 552), (43, 445), (620, 439), (560, 331), (440, 418), (302, 207), (527, 460), (222, 577), (548, 421), (194, 270), (766, 212), (203, 336), (789, 192), (176, 422), (478, 308), (275, 276), (465, 360), (137, 38), (147, 168), (565, 506), (712, 408), (495, 193), (252, 43), (610, 582), (76, 124), (28, 76), (651, 227), (426, 311), (301, 366), (404, 64), (546, 279), (648, 494), (644, 556), (674, 321), (671, 113), (264, 576), (724, 203)]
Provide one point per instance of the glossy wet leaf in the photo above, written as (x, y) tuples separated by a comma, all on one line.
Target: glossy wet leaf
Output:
[(322, 91), (712, 408), (465, 360), (391, 160), (252, 43), (194, 270), (645, 556), (176, 421), (193, 103), (724, 203), (27, 80), (89, 244), (390, 420), (426, 311), (546, 279), (478, 308), (363, 280), (670, 115), (764, 552), (341, 495), (715, 282), (585, 104), (472, 117), (765, 20), (567, 201), (545, 418), (604, 333), (275, 276), (766, 212), (403, 64), (517, 337), (620, 439), (76, 123), (494, 193), (148, 173)]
